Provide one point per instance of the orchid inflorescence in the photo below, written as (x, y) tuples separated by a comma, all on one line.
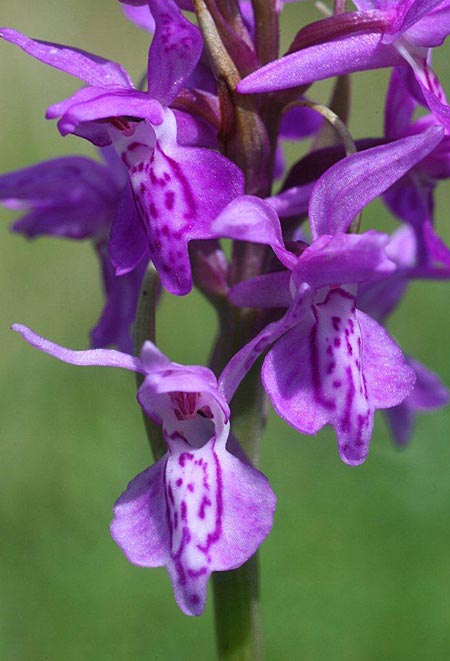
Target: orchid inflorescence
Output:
[(190, 157)]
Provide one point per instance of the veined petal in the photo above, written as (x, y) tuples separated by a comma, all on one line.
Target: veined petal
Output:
[(432, 29), (242, 362), (140, 16), (356, 52), (195, 511), (292, 201), (344, 258), (99, 357), (315, 375), (271, 290), (119, 311), (91, 68), (178, 192), (174, 52), (111, 104), (73, 197), (128, 242), (353, 182), (389, 377), (250, 218), (429, 393)]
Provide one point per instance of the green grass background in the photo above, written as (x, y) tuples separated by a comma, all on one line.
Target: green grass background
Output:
[(357, 566)]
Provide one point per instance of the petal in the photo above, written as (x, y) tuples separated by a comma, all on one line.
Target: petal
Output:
[(128, 242), (292, 201), (271, 290), (353, 182), (178, 192), (344, 258), (429, 392), (112, 104), (242, 362), (74, 197), (174, 52), (99, 357), (121, 295), (196, 512), (356, 52), (400, 106), (250, 218), (91, 68), (299, 123), (389, 377), (322, 372), (140, 16)]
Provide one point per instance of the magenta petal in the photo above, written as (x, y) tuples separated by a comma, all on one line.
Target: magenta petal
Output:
[(178, 192), (250, 218), (388, 375), (128, 242), (271, 290), (292, 201), (429, 392), (322, 372), (73, 197), (140, 16), (241, 362), (93, 69), (99, 357), (174, 52), (195, 511), (353, 182), (344, 258), (111, 104), (333, 58)]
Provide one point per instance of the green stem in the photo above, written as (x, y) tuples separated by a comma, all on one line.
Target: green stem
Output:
[(236, 606)]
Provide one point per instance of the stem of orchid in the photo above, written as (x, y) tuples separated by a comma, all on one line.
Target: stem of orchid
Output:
[(145, 329), (236, 606), (267, 33)]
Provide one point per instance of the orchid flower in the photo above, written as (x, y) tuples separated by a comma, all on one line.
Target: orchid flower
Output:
[(329, 363), (174, 191), (77, 198), (201, 507), (379, 299), (379, 34)]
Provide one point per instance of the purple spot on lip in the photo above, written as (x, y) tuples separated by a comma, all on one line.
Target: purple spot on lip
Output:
[(169, 199), (183, 511), (179, 482), (330, 367), (337, 342), (190, 486), (195, 573), (185, 456), (336, 321), (203, 505), (337, 383)]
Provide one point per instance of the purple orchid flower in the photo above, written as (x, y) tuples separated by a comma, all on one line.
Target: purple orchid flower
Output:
[(411, 197), (379, 299), (380, 34), (175, 191), (200, 508), (329, 363), (77, 198)]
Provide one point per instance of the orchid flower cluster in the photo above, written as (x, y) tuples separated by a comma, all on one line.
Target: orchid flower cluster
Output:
[(191, 156)]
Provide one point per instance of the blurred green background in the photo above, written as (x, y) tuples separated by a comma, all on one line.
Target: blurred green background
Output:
[(357, 565)]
